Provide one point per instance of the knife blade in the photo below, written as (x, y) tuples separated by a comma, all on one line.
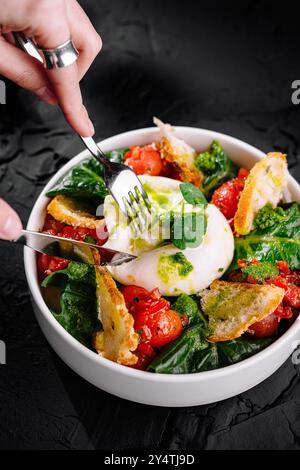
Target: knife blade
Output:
[(72, 250)]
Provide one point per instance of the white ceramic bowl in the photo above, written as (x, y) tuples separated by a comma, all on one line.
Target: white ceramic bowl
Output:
[(145, 387)]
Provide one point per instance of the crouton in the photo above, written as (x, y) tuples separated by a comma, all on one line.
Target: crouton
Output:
[(118, 339), (265, 184), (70, 212), (178, 152), (232, 307)]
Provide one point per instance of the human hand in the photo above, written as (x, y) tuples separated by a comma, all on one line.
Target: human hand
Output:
[(10, 223), (50, 23)]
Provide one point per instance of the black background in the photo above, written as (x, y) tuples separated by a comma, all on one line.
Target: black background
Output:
[(223, 66)]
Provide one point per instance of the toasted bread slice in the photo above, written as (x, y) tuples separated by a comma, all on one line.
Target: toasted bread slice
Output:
[(265, 183), (175, 150), (118, 339), (70, 212), (232, 307)]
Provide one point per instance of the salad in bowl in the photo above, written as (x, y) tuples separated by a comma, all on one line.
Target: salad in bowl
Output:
[(216, 277)]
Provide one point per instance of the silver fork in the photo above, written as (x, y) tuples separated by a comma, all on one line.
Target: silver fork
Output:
[(121, 181), (123, 184)]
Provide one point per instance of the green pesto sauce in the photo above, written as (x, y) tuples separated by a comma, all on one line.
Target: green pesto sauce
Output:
[(220, 305), (171, 268), (159, 198), (261, 271)]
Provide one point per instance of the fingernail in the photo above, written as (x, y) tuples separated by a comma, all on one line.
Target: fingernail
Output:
[(10, 223), (90, 125), (46, 95)]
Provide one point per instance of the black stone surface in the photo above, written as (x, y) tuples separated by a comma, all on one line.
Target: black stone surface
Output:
[(227, 67)]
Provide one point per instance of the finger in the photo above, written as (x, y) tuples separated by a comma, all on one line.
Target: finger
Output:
[(66, 87), (10, 223), (25, 71), (85, 37), (64, 81)]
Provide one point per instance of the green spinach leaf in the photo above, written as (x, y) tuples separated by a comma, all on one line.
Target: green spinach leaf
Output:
[(85, 180), (280, 241), (78, 304), (188, 306), (192, 352), (183, 355), (238, 349)]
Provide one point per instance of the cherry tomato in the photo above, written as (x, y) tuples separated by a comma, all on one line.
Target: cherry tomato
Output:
[(145, 354), (283, 267), (43, 262), (48, 264), (144, 160), (292, 292), (266, 327), (243, 173), (52, 224), (159, 328), (138, 299), (56, 264), (226, 197), (284, 311)]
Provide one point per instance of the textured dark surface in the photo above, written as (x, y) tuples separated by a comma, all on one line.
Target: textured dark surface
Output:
[(229, 69)]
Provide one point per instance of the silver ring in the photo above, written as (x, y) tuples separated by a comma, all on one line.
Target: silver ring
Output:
[(62, 56)]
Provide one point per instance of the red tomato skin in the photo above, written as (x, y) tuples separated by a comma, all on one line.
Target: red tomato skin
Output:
[(158, 328), (138, 299), (226, 197), (52, 224), (283, 267), (47, 264), (292, 292), (243, 173), (265, 328), (43, 262), (144, 160)]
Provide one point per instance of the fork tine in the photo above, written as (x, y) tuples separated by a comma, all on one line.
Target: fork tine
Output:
[(131, 214), (138, 209), (143, 206)]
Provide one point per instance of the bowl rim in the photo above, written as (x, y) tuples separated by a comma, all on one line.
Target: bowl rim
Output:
[(30, 270)]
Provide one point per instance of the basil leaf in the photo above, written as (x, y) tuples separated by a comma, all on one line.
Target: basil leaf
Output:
[(280, 241), (192, 195), (188, 229)]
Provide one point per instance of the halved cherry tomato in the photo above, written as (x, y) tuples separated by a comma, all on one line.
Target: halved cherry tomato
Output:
[(138, 299), (226, 197), (52, 224), (144, 160), (283, 267), (266, 327), (159, 328), (243, 173), (48, 264), (284, 311), (292, 292)]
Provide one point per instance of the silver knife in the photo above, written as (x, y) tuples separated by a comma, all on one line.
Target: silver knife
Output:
[(72, 250)]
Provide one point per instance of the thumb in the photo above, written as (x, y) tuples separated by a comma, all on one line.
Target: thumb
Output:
[(10, 223)]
